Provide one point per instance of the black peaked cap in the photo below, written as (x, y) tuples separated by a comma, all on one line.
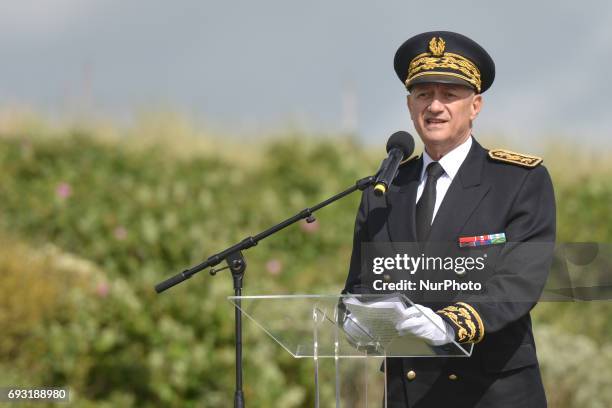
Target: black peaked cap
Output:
[(444, 57)]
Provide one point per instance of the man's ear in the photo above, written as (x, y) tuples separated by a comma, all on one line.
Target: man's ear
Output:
[(476, 106)]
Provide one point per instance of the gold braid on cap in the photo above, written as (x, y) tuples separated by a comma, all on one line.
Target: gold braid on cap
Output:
[(427, 63)]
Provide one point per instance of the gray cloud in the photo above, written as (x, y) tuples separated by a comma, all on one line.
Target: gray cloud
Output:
[(255, 64)]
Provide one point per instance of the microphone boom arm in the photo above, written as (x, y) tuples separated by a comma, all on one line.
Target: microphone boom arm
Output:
[(249, 242)]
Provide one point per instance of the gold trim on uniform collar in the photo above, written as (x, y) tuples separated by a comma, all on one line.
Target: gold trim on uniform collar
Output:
[(429, 63), (409, 159)]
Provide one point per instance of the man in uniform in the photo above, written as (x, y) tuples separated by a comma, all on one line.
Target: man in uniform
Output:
[(468, 197)]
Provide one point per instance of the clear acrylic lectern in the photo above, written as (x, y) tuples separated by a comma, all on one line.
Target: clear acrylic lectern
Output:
[(357, 329)]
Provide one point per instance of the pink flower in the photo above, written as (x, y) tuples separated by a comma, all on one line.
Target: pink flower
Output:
[(63, 190), (102, 289), (120, 233), (310, 228), (274, 267)]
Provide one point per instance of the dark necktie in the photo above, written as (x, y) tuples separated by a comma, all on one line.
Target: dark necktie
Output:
[(425, 206)]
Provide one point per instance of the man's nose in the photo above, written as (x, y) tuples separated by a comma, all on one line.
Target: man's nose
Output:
[(436, 106)]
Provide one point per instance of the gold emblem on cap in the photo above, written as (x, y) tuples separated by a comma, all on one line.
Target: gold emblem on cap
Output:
[(436, 46)]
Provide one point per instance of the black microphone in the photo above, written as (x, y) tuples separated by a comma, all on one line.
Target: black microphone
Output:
[(399, 147)]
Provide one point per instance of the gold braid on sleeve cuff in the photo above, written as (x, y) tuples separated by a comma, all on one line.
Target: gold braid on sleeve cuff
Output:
[(466, 322)]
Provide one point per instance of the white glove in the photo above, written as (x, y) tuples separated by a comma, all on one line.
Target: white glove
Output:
[(434, 330)]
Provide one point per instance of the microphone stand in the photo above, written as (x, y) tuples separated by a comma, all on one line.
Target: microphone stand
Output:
[(237, 265)]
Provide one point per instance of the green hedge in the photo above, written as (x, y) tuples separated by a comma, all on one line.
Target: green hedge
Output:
[(89, 226)]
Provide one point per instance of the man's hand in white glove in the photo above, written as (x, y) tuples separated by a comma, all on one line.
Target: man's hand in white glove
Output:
[(423, 322)]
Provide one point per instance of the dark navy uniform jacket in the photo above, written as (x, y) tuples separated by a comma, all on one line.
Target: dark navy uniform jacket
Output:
[(486, 196)]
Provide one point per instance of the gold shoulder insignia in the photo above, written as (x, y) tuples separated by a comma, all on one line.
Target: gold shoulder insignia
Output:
[(408, 160), (519, 159)]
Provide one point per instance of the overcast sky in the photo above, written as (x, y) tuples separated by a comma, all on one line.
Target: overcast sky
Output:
[(327, 65)]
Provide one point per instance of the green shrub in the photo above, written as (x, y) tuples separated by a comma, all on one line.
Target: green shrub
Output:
[(106, 220)]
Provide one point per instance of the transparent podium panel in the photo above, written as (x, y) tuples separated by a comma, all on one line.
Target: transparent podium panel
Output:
[(341, 326), (350, 383), (348, 338)]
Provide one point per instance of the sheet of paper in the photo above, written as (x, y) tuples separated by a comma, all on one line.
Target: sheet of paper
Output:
[(378, 319)]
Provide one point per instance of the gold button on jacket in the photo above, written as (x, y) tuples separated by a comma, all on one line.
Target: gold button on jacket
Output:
[(411, 375), (452, 377)]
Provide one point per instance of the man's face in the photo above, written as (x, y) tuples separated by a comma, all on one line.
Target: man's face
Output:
[(442, 114)]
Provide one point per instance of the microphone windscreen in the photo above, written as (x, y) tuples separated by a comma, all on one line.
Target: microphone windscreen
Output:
[(403, 141)]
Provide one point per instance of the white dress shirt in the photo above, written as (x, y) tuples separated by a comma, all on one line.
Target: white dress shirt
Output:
[(450, 162)]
